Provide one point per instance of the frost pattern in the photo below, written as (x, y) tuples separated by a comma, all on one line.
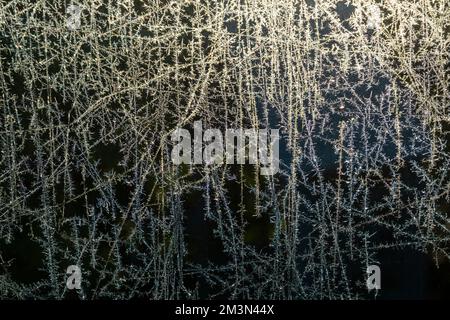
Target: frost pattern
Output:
[(360, 93)]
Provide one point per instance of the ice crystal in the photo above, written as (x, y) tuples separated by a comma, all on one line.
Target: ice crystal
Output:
[(358, 89)]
